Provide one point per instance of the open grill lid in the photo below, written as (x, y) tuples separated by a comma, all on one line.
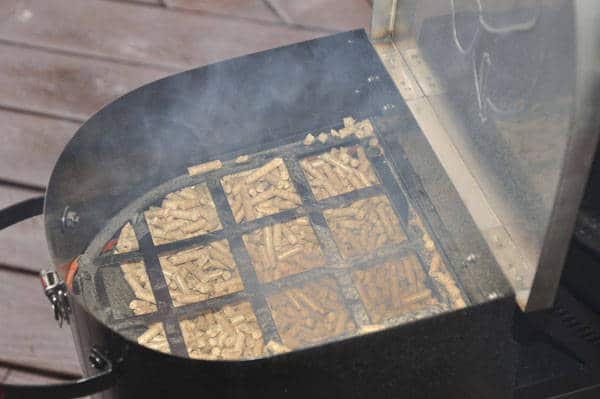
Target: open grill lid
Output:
[(505, 92)]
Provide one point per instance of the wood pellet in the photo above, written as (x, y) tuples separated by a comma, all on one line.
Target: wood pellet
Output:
[(393, 288), (338, 171), (310, 314), (260, 192), (230, 333), (205, 167), (136, 277), (197, 274), (437, 269), (275, 348), (155, 338), (364, 226), (127, 241), (183, 214), (284, 249)]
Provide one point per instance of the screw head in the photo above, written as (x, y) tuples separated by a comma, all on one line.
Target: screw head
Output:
[(69, 218)]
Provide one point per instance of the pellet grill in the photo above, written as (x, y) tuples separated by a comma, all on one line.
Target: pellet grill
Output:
[(384, 215)]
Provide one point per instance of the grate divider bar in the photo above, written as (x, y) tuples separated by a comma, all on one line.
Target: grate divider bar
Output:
[(244, 265), (342, 273), (160, 290), (247, 226), (394, 193), (195, 309), (409, 181)]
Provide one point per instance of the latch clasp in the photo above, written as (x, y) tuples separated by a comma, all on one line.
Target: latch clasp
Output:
[(56, 291)]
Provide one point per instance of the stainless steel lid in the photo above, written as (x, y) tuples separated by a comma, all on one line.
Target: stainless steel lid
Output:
[(506, 93)]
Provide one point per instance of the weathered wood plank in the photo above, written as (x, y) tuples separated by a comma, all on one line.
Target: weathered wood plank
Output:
[(30, 336), (20, 377), (30, 146), (252, 9), (149, 35), (69, 86), (3, 373), (23, 245), (327, 14), (153, 2)]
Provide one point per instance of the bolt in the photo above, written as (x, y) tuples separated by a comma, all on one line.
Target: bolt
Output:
[(96, 360), (69, 218)]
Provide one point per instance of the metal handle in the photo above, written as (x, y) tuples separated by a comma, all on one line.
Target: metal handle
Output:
[(72, 389), (54, 288), (20, 211)]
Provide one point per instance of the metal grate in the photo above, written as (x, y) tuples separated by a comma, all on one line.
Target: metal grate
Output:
[(256, 293)]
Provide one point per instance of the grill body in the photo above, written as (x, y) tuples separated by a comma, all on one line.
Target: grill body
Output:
[(250, 104)]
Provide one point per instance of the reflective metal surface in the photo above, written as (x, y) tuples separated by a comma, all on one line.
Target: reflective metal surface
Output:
[(503, 91)]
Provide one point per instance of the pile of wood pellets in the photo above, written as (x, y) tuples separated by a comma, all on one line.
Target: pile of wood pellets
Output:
[(200, 273), (305, 313), (338, 171), (310, 314), (260, 192), (137, 278), (183, 214), (284, 249), (155, 338), (364, 226), (394, 288), (360, 129), (229, 333)]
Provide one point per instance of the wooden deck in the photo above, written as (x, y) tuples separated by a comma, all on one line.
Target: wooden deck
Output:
[(61, 61)]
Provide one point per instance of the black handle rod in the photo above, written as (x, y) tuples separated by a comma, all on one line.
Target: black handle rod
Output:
[(20, 211)]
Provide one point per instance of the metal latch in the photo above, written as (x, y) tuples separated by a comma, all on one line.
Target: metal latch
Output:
[(56, 291)]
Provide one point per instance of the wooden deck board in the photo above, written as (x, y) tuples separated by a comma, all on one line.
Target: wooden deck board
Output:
[(152, 2), (63, 85), (33, 338), (333, 15), (149, 35), (30, 146), (251, 9), (23, 245), (20, 377), (4, 371)]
